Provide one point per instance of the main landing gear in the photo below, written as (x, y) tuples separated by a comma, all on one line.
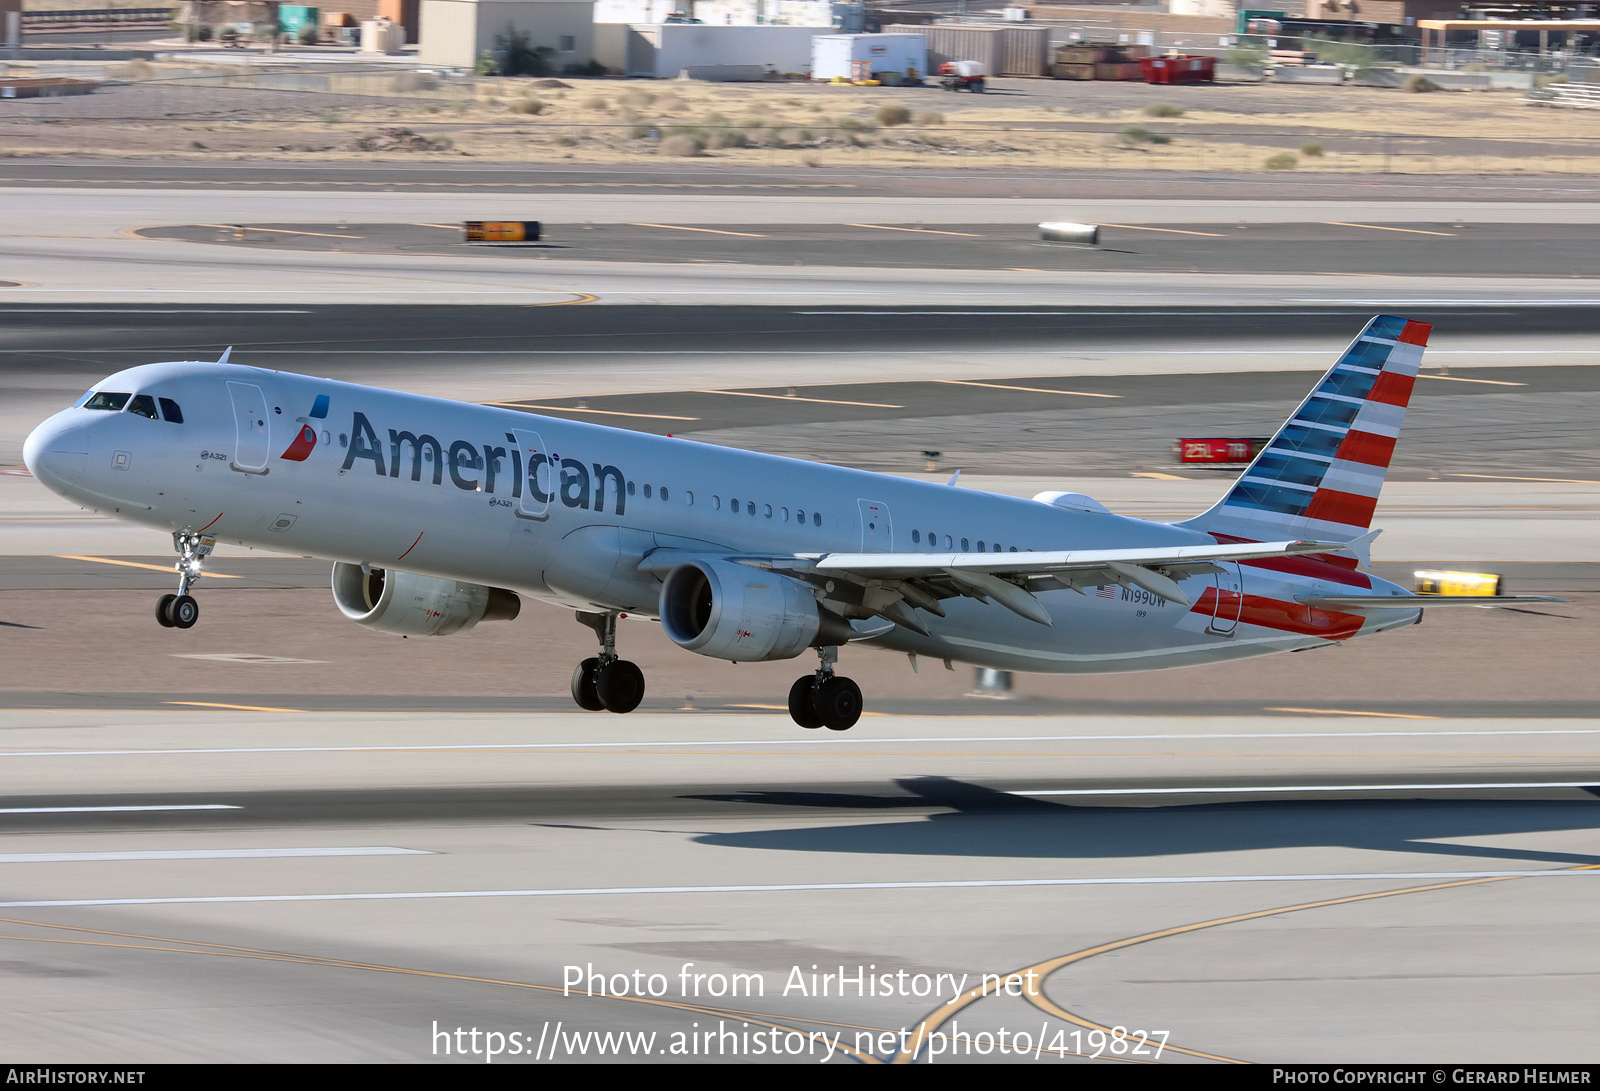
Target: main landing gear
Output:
[(605, 682), (825, 699), (181, 611)]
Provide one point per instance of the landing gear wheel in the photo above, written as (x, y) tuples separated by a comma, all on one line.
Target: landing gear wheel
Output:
[(838, 703), (801, 709), (620, 685), (163, 611), (184, 611), (583, 688)]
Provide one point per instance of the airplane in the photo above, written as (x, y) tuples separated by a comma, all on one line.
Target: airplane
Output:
[(439, 515)]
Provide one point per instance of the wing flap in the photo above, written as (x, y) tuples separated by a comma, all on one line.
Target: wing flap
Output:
[(906, 565)]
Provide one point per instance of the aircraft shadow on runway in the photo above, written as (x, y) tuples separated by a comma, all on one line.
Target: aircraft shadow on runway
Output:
[(985, 822)]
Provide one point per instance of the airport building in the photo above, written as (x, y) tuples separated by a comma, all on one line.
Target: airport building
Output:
[(456, 33)]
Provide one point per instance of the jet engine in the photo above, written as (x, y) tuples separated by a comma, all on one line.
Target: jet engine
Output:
[(732, 611), (407, 604)]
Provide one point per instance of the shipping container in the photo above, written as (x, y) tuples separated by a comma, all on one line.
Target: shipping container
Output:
[(868, 56), (1002, 50)]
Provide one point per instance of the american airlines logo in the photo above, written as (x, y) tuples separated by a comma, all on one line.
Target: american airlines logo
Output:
[(481, 467), (306, 441)]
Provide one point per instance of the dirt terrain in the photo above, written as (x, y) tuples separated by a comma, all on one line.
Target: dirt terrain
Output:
[(206, 113)]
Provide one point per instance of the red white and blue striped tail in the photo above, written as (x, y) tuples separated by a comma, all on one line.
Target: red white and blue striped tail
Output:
[(1320, 476)]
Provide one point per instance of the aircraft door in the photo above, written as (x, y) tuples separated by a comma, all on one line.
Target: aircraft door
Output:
[(252, 442), (539, 481), (877, 527), (1229, 603)]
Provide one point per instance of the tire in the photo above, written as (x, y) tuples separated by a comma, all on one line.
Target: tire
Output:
[(619, 685), (184, 611), (838, 703), (801, 708), (163, 610), (583, 689)]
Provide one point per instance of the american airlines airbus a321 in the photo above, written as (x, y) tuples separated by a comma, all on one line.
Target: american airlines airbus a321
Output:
[(439, 514)]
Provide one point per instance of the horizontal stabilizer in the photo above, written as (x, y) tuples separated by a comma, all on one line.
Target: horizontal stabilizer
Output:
[(1409, 602)]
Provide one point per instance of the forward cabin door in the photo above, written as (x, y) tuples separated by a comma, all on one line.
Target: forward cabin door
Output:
[(877, 527), (539, 479), (252, 441), (1229, 603)]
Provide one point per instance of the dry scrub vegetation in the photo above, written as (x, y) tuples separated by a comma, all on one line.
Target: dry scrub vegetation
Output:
[(1039, 123)]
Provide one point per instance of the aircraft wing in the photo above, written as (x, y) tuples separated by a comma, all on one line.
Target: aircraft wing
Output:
[(858, 585)]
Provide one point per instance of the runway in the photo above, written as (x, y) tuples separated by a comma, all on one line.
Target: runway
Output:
[(727, 849)]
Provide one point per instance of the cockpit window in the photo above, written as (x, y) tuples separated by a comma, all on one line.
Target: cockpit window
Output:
[(107, 400), (170, 410), (144, 405)]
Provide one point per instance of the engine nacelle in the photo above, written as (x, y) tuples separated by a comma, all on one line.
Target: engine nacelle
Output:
[(407, 604), (733, 611)]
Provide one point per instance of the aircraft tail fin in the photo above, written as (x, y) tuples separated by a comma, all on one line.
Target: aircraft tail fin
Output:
[(1320, 476)]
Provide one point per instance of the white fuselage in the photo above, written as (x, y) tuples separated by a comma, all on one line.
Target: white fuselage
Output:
[(566, 512)]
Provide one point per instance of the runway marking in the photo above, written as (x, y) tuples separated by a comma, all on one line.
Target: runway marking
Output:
[(137, 564), (931, 1022), (143, 310), (240, 708), (1025, 389), (796, 398), (703, 230), (1160, 477), (918, 231), (785, 708), (789, 888), (278, 231), (1351, 712), (442, 227), (1460, 379), (251, 658), (205, 854), (1406, 230), (94, 810), (1168, 230), (575, 409), (797, 742), (1559, 480), (1301, 788)]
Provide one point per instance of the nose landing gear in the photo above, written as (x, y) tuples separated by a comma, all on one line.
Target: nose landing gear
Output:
[(825, 699), (181, 611), (604, 681)]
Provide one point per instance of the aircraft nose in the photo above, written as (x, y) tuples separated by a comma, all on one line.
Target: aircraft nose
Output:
[(57, 451)]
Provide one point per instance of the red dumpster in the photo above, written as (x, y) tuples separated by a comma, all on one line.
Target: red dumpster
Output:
[(1179, 69)]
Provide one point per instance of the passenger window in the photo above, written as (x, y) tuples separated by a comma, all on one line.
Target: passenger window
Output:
[(733, 505), (769, 511), (663, 492), (916, 536), (965, 547), (1013, 549), (630, 489), (800, 515), (785, 512), (107, 400), (980, 545), (143, 405), (174, 415), (716, 503), (816, 518), (750, 507), (646, 492)]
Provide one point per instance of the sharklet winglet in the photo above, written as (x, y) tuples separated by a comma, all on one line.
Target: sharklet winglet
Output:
[(227, 352)]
